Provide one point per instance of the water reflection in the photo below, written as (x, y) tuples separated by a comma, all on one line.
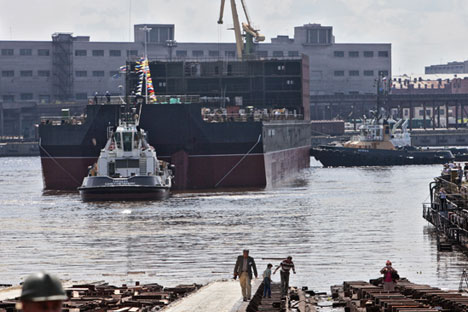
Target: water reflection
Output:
[(337, 223)]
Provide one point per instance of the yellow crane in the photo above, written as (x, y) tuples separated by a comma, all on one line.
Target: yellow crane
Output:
[(250, 33)]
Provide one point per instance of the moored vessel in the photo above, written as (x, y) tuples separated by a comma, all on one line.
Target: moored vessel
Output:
[(127, 168), (374, 147)]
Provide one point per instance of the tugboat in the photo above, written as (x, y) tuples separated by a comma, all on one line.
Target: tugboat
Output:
[(127, 168), (374, 147)]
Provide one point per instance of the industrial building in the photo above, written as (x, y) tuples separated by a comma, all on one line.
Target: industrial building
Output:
[(449, 68), (71, 69)]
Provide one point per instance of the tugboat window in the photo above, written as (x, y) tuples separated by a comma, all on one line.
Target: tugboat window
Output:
[(127, 141), (118, 140)]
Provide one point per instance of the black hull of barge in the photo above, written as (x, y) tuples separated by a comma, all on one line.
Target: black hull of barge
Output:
[(353, 157)]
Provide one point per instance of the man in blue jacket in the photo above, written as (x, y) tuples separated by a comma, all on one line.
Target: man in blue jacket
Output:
[(243, 269)]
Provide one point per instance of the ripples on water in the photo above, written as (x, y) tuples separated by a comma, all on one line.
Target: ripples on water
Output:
[(338, 224)]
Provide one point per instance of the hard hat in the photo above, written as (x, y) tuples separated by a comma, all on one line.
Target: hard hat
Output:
[(42, 287)]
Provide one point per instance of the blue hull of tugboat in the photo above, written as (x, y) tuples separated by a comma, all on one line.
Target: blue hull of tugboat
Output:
[(332, 156), (134, 188)]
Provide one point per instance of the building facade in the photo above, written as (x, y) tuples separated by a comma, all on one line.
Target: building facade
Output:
[(72, 68), (449, 68)]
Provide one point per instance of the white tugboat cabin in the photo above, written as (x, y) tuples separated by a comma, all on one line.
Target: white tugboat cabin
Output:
[(127, 169)]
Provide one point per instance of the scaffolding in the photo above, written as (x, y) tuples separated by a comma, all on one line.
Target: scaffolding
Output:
[(62, 66)]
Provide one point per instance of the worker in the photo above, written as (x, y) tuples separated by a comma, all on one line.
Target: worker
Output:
[(42, 292), (243, 268), (286, 265)]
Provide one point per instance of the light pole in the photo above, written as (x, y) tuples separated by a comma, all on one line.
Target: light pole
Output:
[(146, 29), (171, 44)]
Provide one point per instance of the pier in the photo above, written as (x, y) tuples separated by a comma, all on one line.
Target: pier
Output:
[(217, 296), (450, 219), (360, 296)]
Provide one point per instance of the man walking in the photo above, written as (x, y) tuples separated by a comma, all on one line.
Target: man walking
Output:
[(243, 269), (286, 265)]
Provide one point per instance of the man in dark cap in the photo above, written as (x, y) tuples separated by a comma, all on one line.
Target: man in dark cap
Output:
[(243, 269), (42, 292)]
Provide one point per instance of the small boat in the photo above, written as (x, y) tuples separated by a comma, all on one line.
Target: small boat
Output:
[(127, 169), (378, 145)]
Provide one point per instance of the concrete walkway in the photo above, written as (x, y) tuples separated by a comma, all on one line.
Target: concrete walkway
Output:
[(219, 296), (10, 293)]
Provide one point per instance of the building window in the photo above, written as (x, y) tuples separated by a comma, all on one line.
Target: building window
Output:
[(8, 98), (114, 74), (98, 52), (339, 73), (278, 54), (383, 73), (213, 53), (293, 53), (181, 53), (353, 53), (319, 36), (115, 53), (81, 73), (354, 73), (8, 73), (44, 99), (229, 53), (7, 52), (197, 53), (26, 96), (81, 96), (43, 73), (368, 73), (81, 53), (383, 53), (132, 52), (98, 73), (26, 73), (25, 52), (43, 52), (262, 53), (368, 53), (338, 53)]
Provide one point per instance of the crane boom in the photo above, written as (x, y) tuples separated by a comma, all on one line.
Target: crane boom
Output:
[(221, 12), (251, 34), (237, 30), (246, 12)]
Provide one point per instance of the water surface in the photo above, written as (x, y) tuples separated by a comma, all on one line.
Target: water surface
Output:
[(337, 223)]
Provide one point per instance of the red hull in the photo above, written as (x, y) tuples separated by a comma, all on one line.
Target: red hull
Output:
[(195, 171)]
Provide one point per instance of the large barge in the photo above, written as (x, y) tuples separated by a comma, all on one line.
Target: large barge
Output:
[(235, 124)]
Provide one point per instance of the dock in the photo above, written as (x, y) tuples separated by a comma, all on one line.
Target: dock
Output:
[(100, 296), (220, 296), (361, 296), (217, 296), (450, 219)]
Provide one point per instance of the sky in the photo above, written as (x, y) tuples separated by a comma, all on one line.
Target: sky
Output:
[(422, 32)]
